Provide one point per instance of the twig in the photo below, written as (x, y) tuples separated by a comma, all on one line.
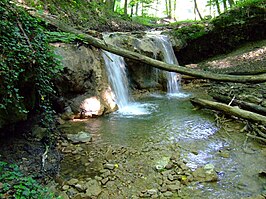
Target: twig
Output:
[(231, 101), (25, 35), (44, 156)]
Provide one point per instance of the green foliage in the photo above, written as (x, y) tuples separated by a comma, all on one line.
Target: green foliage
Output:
[(245, 3), (239, 15), (145, 20), (61, 37), (191, 32), (27, 63), (15, 185)]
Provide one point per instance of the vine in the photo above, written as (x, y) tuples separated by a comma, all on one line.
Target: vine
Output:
[(27, 63)]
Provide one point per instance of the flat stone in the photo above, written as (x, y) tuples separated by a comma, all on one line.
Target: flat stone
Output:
[(65, 187), (173, 187), (80, 137), (104, 181), (72, 182), (93, 188), (168, 194), (109, 166), (152, 191)]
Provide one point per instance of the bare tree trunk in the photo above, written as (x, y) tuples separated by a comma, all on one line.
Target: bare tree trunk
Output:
[(88, 39), (225, 4), (110, 4), (231, 3), (230, 110), (137, 9), (125, 8), (218, 6), (170, 8), (175, 9), (242, 104), (167, 9), (197, 9)]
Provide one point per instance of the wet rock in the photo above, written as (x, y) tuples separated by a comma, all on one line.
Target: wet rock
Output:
[(72, 181), (65, 187), (169, 165), (93, 188), (104, 181), (174, 187), (205, 174), (80, 137), (109, 166), (63, 195), (152, 191), (106, 173), (168, 194), (80, 187), (163, 188), (224, 153)]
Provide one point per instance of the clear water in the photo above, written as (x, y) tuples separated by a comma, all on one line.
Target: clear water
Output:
[(169, 122)]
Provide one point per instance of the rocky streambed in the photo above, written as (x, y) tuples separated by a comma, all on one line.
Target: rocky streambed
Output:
[(172, 152)]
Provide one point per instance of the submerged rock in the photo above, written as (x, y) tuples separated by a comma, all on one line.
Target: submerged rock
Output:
[(205, 174), (80, 137)]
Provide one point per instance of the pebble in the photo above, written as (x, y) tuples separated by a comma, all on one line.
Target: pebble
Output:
[(104, 181), (109, 166), (168, 194), (73, 181), (65, 187)]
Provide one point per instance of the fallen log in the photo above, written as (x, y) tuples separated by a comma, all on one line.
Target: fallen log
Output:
[(155, 63), (230, 110), (244, 105)]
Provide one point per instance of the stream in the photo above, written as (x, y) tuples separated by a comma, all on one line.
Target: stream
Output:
[(139, 143)]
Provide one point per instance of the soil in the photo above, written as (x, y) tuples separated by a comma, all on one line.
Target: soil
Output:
[(19, 149)]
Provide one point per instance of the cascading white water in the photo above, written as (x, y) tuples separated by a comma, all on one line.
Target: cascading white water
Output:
[(164, 44), (116, 70), (115, 66)]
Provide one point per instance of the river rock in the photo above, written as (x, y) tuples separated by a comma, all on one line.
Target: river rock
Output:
[(80, 137), (93, 188), (174, 187), (109, 166), (205, 174), (168, 194), (72, 182), (38, 132)]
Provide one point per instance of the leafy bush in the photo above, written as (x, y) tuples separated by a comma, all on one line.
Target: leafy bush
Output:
[(190, 32), (27, 63), (13, 184)]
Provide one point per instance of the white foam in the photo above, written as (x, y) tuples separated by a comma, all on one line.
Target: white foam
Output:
[(178, 95), (135, 109)]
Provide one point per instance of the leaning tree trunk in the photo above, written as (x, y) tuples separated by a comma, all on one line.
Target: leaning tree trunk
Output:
[(230, 110), (88, 39)]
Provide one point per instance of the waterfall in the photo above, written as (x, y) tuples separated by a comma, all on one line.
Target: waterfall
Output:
[(164, 44), (116, 70)]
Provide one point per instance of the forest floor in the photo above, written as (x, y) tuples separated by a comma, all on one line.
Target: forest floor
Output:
[(249, 57)]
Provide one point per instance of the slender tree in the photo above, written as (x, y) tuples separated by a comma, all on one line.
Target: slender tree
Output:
[(110, 4), (218, 6), (170, 8), (225, 4), (197, 9), (231, 3), (125, 8), (166, 8)]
